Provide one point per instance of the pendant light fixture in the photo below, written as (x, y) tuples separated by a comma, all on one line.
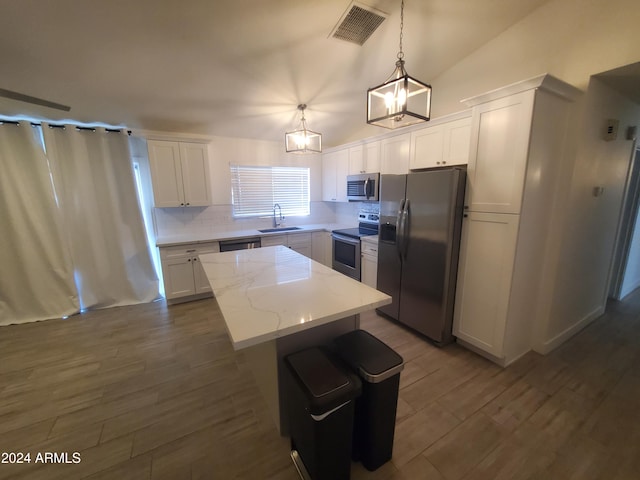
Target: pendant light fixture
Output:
[(303, 140), (401, 100)]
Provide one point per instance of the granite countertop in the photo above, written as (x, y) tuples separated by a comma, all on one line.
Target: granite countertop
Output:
[(179, 239), (270, 292)]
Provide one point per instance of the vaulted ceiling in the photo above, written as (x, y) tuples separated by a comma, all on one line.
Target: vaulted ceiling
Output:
[(233, 68)]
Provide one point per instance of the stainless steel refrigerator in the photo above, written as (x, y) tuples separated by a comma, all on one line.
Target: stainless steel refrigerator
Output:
[(419, 239)]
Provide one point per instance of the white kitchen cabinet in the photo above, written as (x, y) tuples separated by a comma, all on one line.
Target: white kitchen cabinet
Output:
[(514, 176), (321, 248), (498, 159), (369, 262), (179, 174), (335, 167), (300, 242), (364, 158), (484, 278), (394, 154), (183, 276), (273, 240), (441, 145)]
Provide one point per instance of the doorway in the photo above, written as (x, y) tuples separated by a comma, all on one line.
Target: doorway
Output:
[(626, 263)]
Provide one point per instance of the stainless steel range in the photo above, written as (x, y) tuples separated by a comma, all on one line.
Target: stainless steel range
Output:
[(346, 244)]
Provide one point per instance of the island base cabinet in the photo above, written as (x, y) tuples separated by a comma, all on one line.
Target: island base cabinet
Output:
[(487, 254)]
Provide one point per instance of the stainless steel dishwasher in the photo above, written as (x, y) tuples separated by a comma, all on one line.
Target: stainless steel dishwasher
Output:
[(239, 244)]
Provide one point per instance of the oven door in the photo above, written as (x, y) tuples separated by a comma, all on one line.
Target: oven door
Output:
[(346, 255)]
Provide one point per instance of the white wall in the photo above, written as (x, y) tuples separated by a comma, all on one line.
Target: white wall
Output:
[(581, 281), (570, 39)]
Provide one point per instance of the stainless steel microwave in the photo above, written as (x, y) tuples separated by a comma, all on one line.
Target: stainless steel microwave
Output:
[(363, 187)]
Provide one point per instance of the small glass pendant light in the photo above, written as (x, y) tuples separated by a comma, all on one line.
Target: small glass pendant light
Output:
[(303, 140), (401, 100)]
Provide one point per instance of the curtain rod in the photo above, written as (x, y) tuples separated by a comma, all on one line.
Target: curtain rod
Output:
[(51, 125)]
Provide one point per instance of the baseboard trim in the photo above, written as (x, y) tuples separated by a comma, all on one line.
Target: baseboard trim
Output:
[(548, 346)]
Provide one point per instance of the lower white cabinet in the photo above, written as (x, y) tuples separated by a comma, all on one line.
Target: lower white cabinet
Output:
[(487, 254), (369, 263), (321, 248), (300, 242), (183, 276)]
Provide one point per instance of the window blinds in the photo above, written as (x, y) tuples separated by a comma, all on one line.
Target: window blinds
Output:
[(255, 189)]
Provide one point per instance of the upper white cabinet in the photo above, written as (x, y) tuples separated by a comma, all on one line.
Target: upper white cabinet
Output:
[(441, 145), (364, 158), (498, 159), (394, 154), (179, 174), (335, 167)]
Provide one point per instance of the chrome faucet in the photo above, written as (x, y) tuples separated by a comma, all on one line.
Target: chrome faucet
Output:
[(276, 224)]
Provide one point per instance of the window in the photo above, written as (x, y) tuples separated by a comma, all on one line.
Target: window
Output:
[(254, 190)]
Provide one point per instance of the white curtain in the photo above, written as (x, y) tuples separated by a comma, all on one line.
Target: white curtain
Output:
[(36, 276), (96, 190)]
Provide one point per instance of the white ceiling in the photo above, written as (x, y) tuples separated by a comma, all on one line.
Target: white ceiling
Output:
[(232, 68)]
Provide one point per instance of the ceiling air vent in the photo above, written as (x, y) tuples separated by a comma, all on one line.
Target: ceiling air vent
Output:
[(358, 23)]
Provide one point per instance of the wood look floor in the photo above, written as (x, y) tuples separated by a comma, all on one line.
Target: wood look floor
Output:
[(157, 392)]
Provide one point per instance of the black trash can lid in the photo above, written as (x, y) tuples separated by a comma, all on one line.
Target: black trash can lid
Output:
[(374, 360), (324, 380)]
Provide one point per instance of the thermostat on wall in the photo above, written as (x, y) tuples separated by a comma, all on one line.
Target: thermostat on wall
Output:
[(611, 131)]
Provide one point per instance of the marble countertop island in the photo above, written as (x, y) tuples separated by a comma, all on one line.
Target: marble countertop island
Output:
[(271, 292)]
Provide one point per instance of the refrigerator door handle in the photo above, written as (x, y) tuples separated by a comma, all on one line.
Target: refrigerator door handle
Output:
[(400, 228), (405, 228)]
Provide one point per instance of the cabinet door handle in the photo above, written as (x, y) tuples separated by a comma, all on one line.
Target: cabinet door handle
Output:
[(189, 260), (182, 204), (188, 203), (191, 251), (195, 259)]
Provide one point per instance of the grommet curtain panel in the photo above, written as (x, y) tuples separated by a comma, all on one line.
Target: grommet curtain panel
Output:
[(36, 273), (94, 211)]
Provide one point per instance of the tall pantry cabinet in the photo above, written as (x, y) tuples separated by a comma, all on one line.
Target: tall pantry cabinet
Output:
[(516, 153)]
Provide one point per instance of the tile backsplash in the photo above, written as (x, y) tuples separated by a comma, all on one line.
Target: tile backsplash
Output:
[(218, 218)]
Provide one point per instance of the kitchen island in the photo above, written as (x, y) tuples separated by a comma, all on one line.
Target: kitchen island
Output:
[(275, 301)]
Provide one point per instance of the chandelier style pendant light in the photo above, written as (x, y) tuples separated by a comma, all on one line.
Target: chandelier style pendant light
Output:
[(401, 100), (303, 140)]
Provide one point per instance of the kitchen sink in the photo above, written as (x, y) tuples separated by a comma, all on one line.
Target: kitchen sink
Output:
[(280, 229)]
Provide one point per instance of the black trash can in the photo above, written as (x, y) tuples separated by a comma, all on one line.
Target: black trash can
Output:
[(379, 367), (320, 393)]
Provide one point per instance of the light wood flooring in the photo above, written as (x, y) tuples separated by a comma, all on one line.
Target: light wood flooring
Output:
[(157, 392)]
